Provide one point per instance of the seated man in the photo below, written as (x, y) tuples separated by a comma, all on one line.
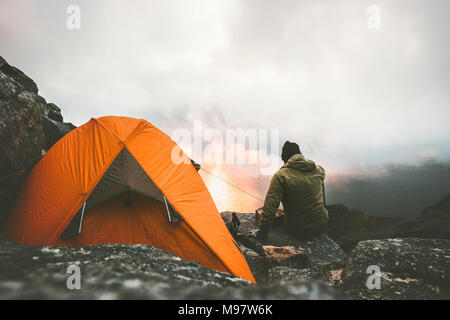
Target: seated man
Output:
[(299, 186)]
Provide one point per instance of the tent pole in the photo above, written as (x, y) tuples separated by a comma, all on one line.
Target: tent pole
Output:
[(81, 219), (167, 207)]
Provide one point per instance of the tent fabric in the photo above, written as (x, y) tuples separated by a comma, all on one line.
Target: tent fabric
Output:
[(71, 170)]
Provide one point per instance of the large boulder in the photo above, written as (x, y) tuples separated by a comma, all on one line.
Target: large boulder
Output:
[(325, 262), (28, 127), (409, 269), (320, 250), (18, 76), (21, 133), (256, 262), (280, 250), (130, 272)]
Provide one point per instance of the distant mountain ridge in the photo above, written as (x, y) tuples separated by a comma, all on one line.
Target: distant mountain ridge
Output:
[(402, 190), (349, 226)]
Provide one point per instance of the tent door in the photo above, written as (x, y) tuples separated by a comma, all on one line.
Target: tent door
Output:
[(124, 175)]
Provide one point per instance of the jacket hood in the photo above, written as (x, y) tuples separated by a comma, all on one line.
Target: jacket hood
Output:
[(298, 161)]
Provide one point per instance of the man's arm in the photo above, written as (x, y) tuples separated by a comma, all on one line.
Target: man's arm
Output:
[(322, 176), (323, 194), (272, 202)]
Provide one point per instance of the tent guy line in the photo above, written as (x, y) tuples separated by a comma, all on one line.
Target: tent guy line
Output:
[(240, 189)]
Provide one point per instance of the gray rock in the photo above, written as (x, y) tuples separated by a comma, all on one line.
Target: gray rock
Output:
[(28, 127), (247, 223), (289, 256), (231, 221), (282, 290), (120, 271), (256, 263), (410, 269), (52, 112), (320, 259), (286, 273), (323, 250), (320, 250), (54, 131), (328, 273), (18, 76), (129, 272), (22, 140)]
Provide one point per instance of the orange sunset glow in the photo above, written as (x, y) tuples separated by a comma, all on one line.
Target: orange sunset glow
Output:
[(229, 198)]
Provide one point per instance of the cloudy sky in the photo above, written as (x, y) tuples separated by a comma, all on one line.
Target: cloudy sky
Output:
[(354, 98)]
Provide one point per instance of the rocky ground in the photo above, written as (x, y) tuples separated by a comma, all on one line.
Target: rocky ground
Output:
[(130, 272), (410, 267)]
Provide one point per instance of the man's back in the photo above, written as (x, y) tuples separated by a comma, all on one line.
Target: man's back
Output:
[(298, 185), (303, 199)]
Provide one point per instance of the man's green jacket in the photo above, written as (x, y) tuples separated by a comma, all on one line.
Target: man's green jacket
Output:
[(298, 185)]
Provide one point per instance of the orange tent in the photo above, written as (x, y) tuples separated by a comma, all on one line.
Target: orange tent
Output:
[(113, 180)]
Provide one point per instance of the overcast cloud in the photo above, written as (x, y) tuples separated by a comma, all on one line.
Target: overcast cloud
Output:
[(352, 97)]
